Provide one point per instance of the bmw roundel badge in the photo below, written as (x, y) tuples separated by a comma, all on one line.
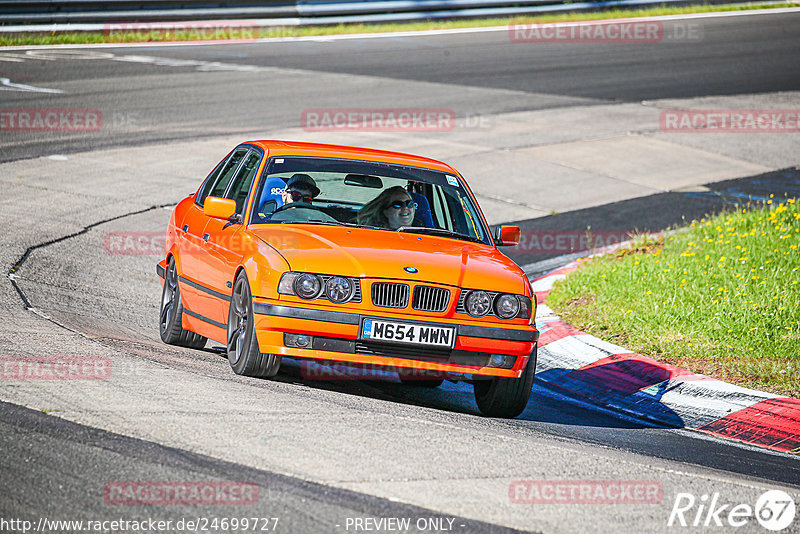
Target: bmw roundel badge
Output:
[(411, 270)]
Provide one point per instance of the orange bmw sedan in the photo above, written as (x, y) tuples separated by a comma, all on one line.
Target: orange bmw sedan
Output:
[(331, 254)]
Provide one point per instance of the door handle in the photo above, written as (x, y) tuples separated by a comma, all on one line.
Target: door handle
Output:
[(185, 227), (205, 237)]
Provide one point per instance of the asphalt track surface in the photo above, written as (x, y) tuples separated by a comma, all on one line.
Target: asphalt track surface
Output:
[(45, 458), (299, 505), (144, 101)]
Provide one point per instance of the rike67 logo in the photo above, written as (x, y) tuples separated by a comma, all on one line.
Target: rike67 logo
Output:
[(774, 510)]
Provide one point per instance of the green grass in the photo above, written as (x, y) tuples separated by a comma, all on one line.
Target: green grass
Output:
[(299, 31), (720, 297)]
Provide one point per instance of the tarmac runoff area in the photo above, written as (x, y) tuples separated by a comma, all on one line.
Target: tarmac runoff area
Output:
[(520, 165)]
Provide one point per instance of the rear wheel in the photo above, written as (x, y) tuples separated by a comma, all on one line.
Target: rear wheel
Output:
[(169, 324), (242, 346), (506, 397)]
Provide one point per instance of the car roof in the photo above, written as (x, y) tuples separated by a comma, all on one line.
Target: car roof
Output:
[(299, 148)]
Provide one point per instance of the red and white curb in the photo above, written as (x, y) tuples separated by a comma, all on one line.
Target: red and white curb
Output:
[(591, 370)]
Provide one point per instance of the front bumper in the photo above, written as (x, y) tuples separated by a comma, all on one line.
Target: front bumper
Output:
[(336, 338)]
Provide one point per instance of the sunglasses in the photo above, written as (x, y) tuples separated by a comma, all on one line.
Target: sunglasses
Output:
[(297, 195), (400, 203)]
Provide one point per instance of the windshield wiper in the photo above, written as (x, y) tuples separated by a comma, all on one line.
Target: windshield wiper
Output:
[(438, 231)]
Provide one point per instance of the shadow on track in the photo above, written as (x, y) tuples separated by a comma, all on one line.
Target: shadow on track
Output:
[(453, 397), (573, 420)]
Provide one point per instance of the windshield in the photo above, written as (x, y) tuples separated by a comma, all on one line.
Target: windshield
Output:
[(376, 195)]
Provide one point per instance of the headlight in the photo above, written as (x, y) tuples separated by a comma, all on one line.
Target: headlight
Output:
[(307, 286), (506, 306), (286, 285), (478, 303), (525, 307), (338, 289)]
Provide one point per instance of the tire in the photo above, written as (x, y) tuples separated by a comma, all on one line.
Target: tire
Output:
[(171, 314), (506, 397), (242, 344)]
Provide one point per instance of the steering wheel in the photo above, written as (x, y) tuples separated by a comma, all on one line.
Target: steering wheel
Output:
[(300, 215), (296, 205)]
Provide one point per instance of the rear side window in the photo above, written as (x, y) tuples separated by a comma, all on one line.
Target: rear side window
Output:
[(228, 170), (244, 179)]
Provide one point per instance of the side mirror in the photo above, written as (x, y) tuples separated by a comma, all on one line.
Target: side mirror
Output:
[(219, 208), (507, 236)]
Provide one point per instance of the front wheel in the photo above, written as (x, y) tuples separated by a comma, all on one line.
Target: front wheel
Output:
[(506, 397), (242, 346)]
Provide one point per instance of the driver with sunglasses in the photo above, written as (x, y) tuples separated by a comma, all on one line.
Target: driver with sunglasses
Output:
[(391, 209), (300, 188)]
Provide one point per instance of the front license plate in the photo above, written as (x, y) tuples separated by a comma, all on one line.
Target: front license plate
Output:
[(416, 334)]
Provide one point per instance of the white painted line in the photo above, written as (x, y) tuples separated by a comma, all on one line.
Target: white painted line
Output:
[(578, 352), (202, 66), (55, 55), (700, 402), (198, 65), (539, 269), (11, 58), (604, 346), (725, 389), (546, 283), (8, 85), (543, 311), (393, 35)]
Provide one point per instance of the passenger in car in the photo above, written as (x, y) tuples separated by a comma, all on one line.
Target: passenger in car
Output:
[(391, 209)]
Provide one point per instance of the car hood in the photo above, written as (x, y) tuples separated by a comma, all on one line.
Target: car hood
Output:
[(362, 252)]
